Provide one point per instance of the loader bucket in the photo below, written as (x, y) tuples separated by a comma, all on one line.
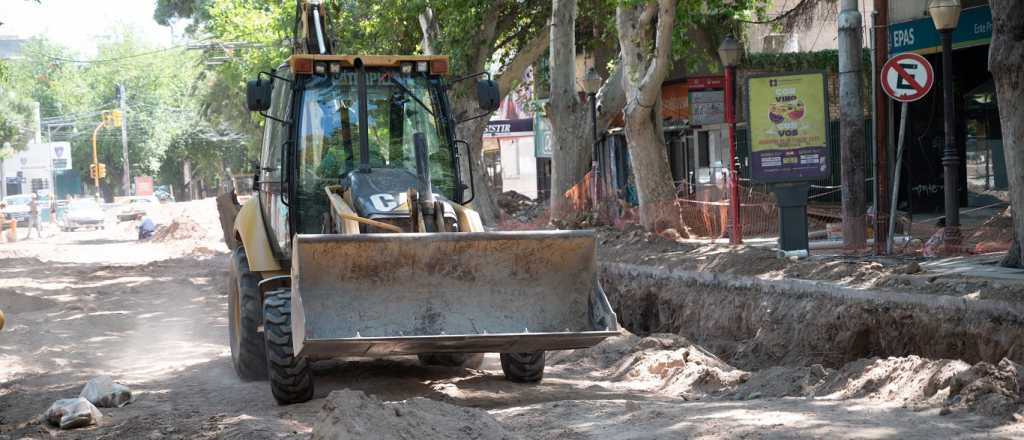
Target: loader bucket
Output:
[(398, 294)]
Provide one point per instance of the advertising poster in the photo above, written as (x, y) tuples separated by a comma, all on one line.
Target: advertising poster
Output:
[(143, 185), (788, 117)]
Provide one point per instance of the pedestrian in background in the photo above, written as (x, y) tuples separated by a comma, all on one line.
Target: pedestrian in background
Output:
[(53, 210), (33, 217)]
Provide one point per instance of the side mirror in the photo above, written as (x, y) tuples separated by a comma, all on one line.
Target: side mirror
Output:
[(488, 95), (465, 164), (257, 95)]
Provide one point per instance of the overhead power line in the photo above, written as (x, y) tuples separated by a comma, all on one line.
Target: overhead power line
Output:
[(112, 60)]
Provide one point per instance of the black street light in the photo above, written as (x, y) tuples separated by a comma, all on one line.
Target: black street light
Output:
[(946, 14), (591, 83)]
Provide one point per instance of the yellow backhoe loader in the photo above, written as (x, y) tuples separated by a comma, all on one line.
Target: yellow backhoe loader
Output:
[(359, 240)]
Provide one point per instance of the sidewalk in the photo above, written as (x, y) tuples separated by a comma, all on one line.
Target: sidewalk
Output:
[(977, 266)]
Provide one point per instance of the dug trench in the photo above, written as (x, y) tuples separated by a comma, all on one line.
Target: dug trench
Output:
[(800, 338)]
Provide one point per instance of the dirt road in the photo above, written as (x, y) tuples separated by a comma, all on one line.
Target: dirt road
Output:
[(153, 316)]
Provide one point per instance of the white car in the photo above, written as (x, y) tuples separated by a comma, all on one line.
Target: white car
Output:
[(83, 213), (18, 208)]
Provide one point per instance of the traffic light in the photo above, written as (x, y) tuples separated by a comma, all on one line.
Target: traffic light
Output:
[(115, 118), (93, 172)]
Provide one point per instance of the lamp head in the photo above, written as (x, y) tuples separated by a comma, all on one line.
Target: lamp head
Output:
[(945, 14), (592, 81), (730, 52)]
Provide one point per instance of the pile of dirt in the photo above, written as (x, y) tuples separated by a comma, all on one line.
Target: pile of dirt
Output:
[(987, 389), (520, 208), (912, 381), (181, 228), (349, 414), (666, 364), (670, 365), (634, 245)]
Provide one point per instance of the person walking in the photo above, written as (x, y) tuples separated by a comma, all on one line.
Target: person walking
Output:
[(33, 217), (53, 210)]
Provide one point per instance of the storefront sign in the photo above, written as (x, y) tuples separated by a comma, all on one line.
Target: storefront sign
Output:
[(500, 127), (542, 137), (706, 82), (973, 29), (707, 107), (788, 117)]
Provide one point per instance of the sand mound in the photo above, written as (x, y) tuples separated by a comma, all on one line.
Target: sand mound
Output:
[(912, 380), (663, 363), (181, 228), (351, 414), (991, 390)]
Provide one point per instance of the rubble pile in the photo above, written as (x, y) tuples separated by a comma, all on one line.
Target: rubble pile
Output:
[(181, 228), (519, 207), (349, 414)]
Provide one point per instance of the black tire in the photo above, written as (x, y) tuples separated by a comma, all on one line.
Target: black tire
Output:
[(291, 378), (464, 360), (245, 314), (523, 367)]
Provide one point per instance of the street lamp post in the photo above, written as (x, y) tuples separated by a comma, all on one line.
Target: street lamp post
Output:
[(946, 14), (591, 83), (730, 53)]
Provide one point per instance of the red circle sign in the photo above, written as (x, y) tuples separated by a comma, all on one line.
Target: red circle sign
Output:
[(907, 77)]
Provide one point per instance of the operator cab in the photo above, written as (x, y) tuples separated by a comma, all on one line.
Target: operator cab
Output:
[(355, 123)]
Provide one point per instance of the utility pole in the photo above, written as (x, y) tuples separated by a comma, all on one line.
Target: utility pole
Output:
[(851, 128), (126, 179), (881, 127)]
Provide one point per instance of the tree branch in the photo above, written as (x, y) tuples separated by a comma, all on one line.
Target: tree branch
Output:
[(650, 86), (526, 56), (611, 98)]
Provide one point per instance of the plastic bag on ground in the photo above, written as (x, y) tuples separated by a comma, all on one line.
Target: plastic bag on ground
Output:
[(104, 393), (73, 413)]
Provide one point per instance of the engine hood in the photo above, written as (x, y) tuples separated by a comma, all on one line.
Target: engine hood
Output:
[(383, 193)]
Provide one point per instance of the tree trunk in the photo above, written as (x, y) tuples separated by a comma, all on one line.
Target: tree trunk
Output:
[(472, 132), (645, 35), (1006, 62), (570, 127), (659, 209), (851, 129)]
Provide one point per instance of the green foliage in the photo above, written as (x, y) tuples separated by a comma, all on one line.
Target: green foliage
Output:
[(794, 62), (15, 119), (160, 98)]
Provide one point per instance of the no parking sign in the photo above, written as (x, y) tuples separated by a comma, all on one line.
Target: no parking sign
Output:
[(907, 77)]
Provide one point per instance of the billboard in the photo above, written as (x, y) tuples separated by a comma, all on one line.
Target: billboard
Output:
[(788, 116), (143, 185)]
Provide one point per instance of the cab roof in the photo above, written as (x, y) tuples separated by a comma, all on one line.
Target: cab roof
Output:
[(303, 63)]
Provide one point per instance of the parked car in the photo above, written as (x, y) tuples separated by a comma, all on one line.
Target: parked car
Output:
[(17, 208), (83, 213), (163, 195), (136, 208)]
